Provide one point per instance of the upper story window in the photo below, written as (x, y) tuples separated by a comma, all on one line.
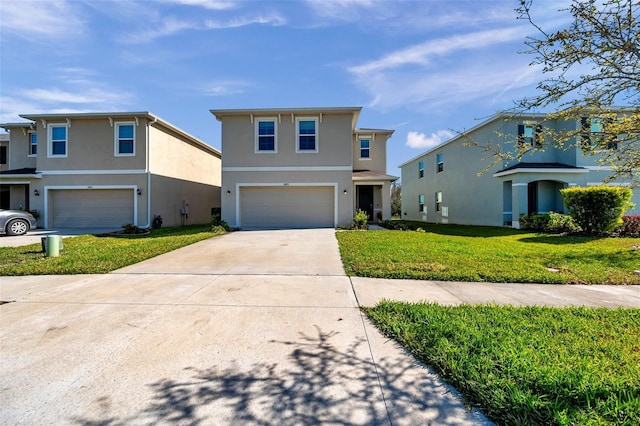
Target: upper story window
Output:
[(594, 133), (125, 141), (420, 169), (439, 162), (33, 144), (266, 135), (57, 146), (421, 203), (307, 135), (3, 154), (438, 201), (365, 148), (529, 134)]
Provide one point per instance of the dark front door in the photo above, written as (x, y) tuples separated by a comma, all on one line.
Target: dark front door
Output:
[(532, 197), (365, 200)]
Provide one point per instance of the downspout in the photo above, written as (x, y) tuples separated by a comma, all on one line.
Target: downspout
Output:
[(148, 170)]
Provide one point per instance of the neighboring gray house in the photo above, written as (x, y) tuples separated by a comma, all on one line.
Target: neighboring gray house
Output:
[(108, 169), (442, 185), (301, 168)]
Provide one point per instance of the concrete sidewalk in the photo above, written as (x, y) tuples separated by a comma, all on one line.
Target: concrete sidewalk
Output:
[(247, 328)]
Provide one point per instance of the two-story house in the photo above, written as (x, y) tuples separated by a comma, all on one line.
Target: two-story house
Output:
[(109, 169), (443, 185), (301, 167)]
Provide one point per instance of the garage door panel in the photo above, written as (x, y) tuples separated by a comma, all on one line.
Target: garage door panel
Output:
[(287, 207), (92, 208)]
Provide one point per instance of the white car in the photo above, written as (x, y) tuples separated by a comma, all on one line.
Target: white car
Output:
[(16, 222)]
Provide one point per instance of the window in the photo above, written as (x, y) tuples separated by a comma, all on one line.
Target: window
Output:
[(307, 135), (438, 201), (365, 148), (421, 203), (594, 133), (57, 140), (33, 144), (266, 135), (529, 134), (420, 169), (125, 139), (439, 162), (3, 155)]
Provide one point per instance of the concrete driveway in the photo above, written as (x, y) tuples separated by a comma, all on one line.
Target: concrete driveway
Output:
[(249, 328)]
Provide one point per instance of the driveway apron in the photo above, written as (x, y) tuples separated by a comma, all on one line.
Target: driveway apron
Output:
[(256, 327)]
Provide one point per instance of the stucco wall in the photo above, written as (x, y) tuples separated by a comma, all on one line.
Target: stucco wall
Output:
[(377, 161), (170, 195), (18, 151)]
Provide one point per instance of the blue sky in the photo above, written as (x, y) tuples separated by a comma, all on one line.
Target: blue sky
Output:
[(423, 68)]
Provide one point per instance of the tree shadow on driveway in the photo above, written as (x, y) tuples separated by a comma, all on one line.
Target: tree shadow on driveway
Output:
[(318, 385)]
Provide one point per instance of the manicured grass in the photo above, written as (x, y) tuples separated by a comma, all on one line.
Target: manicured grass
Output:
[(89, 254), (528, 365), (476, 253)]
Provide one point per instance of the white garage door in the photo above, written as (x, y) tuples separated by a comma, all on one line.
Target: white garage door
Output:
[(85, 208), (286, 207)]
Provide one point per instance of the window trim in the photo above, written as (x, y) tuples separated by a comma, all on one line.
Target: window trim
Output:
[(116, 137), (316, 135), (50, 141), (536, 130), (421, 205), (368, 149), (420, 169), (257, 122), (438, 200), (31, 144), (439, 162)]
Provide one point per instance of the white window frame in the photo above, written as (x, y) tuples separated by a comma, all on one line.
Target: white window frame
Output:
[(50, 128), (31, 144), (116, 139), (365, 138), (421, 203), (317, 135), (420, 169), (439, 201), (439, 162), (257, 135)]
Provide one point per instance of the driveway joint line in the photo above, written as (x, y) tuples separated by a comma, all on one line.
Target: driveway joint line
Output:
[(184, 304)]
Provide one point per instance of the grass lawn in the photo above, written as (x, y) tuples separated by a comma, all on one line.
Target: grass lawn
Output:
[(89, 254), (477, 253), (528, 365)]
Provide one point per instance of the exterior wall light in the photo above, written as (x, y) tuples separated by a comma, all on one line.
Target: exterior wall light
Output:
[(139, 191), (36, 192), (344, 192)]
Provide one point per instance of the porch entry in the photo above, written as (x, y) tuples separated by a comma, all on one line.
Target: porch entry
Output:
[(365, 200)]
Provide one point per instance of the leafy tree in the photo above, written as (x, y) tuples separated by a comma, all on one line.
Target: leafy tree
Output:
[(396, 200), (597, 209), (589, 67)]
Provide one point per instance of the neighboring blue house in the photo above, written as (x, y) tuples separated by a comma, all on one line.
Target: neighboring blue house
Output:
[(443, 185)]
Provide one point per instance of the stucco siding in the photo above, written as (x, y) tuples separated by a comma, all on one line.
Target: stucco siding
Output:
[(170, 195), (172, 156), (18, 150)]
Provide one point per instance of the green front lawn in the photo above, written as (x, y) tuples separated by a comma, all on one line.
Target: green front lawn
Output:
[(528, 365), (89, 254), (476, 253)]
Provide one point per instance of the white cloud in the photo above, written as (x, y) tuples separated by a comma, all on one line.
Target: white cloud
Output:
[(273, 19), (167, 27), (225, 87), (44, 20), (207, 4), (344, 10), (422, 141), (424, 53)]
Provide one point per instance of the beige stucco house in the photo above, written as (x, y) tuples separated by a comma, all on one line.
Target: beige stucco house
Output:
[(109, 169), (301, 167)]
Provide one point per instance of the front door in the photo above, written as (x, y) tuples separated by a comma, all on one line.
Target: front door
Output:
[(365, 200), (532, 198)]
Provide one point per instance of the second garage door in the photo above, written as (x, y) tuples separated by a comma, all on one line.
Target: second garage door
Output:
[(287, 207), (86, 208)]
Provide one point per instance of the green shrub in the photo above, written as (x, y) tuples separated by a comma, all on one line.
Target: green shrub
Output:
[(394, 225), (131, 229), (360, 220), (219, 225), (597, 209), (552, 223)]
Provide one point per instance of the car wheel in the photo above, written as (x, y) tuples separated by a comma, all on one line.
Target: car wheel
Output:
[(17, 227)]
